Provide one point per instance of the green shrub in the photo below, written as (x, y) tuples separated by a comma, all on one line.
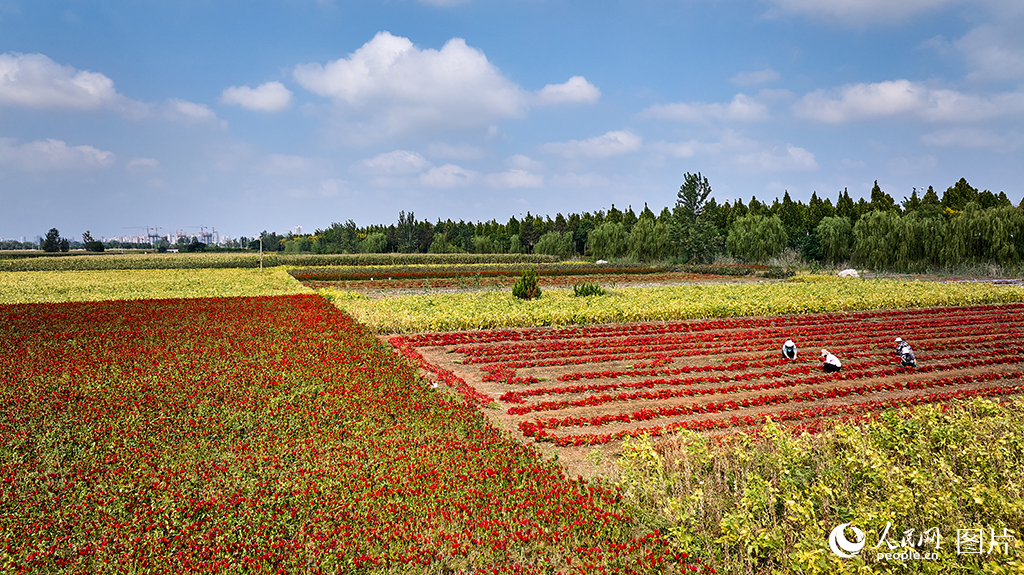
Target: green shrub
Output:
[(527, 287), (587, 289), (778, 272)]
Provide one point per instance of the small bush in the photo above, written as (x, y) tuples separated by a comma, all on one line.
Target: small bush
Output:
[(526, 286), (778, 272), (585, 289)]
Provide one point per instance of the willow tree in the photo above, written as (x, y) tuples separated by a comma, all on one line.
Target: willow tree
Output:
[(835, 238), (756, 237)]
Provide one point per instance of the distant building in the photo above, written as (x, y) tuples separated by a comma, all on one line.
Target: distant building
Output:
[(297, 231)]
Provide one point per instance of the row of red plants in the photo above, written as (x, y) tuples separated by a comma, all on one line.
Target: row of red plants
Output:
[(468, 338), (814, 418), (515, 356), (519, 396), (594, 400), (270, 435)]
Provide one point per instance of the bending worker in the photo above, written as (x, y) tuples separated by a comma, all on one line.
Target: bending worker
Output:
[(789, 349), (831, 362), (906, 354)]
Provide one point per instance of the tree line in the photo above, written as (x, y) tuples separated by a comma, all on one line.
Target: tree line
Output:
[(926, 230)]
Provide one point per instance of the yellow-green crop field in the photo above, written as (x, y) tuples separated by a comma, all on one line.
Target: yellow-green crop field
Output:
[(808, 294), (65, 286)]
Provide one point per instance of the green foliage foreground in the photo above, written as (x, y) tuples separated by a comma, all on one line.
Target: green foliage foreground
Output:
[(806, 294), (768, 505)]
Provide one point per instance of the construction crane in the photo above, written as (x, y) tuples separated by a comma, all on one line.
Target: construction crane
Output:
[(207, 237), (152, 232)]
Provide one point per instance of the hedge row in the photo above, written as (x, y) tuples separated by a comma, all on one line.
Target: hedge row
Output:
[(197, 261)]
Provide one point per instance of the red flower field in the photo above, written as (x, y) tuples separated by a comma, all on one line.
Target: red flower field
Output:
[(277, 435), (597, 384)]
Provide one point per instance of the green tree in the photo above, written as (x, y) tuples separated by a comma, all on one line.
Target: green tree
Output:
[(374, 243), (440, 245), (957, 196), (483, 245), (881, 200), (692, 237), (648, 240), (516, 246), (875, 237), (51, 243), (835, 238), (607, 241), (91, 244), (756, 238), (555, 244)]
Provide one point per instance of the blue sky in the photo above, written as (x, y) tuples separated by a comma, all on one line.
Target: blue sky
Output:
[(266, 114)]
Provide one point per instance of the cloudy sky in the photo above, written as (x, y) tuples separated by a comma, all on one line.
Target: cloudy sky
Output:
[(247, 115)]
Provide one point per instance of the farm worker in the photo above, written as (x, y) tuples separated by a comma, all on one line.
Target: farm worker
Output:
[(906, 354), (789, 349), (831, 362)]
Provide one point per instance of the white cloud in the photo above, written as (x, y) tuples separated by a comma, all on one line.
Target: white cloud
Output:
[(447, 176), (610, 144), (268, 97), (52, 155), (523, 162), (741, 153), (588, 180), (860, 12), (742, 108), (189, 112), (283, 164), (35, 81), (398, 162), (143, 165), (996, 52), (401, 88), (450, 152), (752, 78), (514, 178), (975, 138), (577, 89), (774, 160), (902, 97)]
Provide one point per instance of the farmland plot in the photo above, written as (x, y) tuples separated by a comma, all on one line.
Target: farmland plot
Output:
[(270, 435), (585, 386)]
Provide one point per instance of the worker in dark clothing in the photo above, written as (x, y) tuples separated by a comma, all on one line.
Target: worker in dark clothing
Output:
[(831, 363), (906, 354), (789, 349)]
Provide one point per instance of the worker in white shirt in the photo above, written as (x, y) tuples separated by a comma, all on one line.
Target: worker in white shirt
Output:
[(906, 354), (789, 349), (831, 362)]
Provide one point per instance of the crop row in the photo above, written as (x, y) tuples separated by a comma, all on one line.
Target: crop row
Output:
[(533, 428), (855, 371), (499, 309), (519, 396), (269, 434), (334, 274), (925, 327), (570, 335), (812, 415), (115, 261), (104, 285)]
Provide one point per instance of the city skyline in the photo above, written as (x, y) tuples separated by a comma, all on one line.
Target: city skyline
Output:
[(266, 114)]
